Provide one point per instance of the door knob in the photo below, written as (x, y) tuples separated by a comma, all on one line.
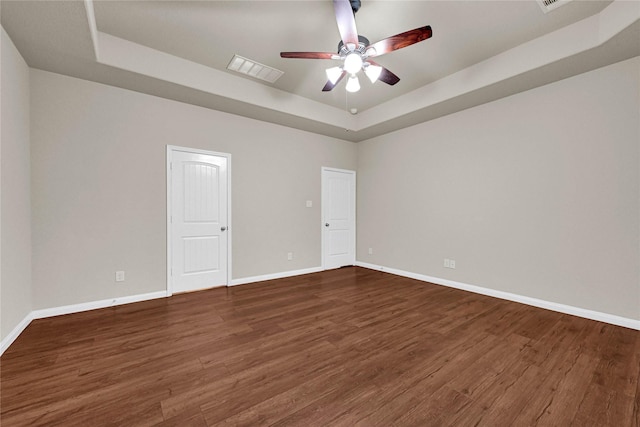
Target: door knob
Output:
[(326, 224), (223, 228)]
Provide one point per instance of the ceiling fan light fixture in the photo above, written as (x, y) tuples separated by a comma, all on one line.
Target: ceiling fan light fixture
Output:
[(373, 72), (353, 85), (355, 49), (353, 63), (333, 74)]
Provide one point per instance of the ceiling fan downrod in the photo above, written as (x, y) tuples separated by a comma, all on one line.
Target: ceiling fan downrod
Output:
[(355, 5)]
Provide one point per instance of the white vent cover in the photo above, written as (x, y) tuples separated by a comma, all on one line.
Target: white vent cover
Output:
[(254, 69), (549, 5)]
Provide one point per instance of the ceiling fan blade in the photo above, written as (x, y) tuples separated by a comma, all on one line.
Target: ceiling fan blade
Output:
[(400, 40), (385, 75), (309, 55), (329, 86), (346, 22)]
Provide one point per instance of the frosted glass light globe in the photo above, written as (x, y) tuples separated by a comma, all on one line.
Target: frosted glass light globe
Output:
[(373, 72), (353, 85), (333, 74), (353, 63)]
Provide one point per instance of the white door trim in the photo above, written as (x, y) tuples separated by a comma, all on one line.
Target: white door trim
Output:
[(170, 150), (322, 219)]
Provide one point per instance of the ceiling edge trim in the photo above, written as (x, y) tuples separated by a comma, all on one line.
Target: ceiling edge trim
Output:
[(563, 43), (93, 27), (130, 56)]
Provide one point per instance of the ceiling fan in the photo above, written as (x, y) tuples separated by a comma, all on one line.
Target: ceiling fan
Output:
[(355, 50)]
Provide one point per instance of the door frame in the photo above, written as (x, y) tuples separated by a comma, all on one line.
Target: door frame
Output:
[(170, 150), (322, 220)]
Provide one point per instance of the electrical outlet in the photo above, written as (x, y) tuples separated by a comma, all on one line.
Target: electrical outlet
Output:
[(289, 256), (119, 276), (447, 262), (370, 251), (309, 203), (452, 263)]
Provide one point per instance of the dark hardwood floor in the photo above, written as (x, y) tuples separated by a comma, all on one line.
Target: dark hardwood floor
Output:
[(348, 347)]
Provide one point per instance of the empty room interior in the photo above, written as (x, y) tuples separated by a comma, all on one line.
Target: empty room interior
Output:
[(347, 213)]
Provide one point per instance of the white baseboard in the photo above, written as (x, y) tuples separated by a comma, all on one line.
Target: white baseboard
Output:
[(562, 308), (549, 305), (93, 305), (74, 308), (9, 339), (281, 275)]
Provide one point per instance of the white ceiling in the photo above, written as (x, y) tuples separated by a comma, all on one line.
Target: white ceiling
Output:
[(480, 51)]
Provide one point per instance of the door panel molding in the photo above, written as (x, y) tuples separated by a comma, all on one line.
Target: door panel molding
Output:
[(171, 150)]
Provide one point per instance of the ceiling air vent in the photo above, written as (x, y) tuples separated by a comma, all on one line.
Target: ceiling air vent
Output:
[(254, 69), (549, 5)]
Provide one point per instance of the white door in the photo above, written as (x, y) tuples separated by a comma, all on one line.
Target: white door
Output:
[(198, 220), (338, 218)]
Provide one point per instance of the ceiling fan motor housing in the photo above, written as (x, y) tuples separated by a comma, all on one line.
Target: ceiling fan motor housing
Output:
[(363, 42)]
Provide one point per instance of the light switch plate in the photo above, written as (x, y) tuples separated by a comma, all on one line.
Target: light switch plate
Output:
[(309, 203)]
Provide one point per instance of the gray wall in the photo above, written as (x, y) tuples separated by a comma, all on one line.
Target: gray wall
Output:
[(15, 207), (99, 193), (536, 194)]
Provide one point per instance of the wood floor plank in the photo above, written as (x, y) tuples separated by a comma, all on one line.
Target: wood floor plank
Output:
[(635, 411), (346, 347)]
